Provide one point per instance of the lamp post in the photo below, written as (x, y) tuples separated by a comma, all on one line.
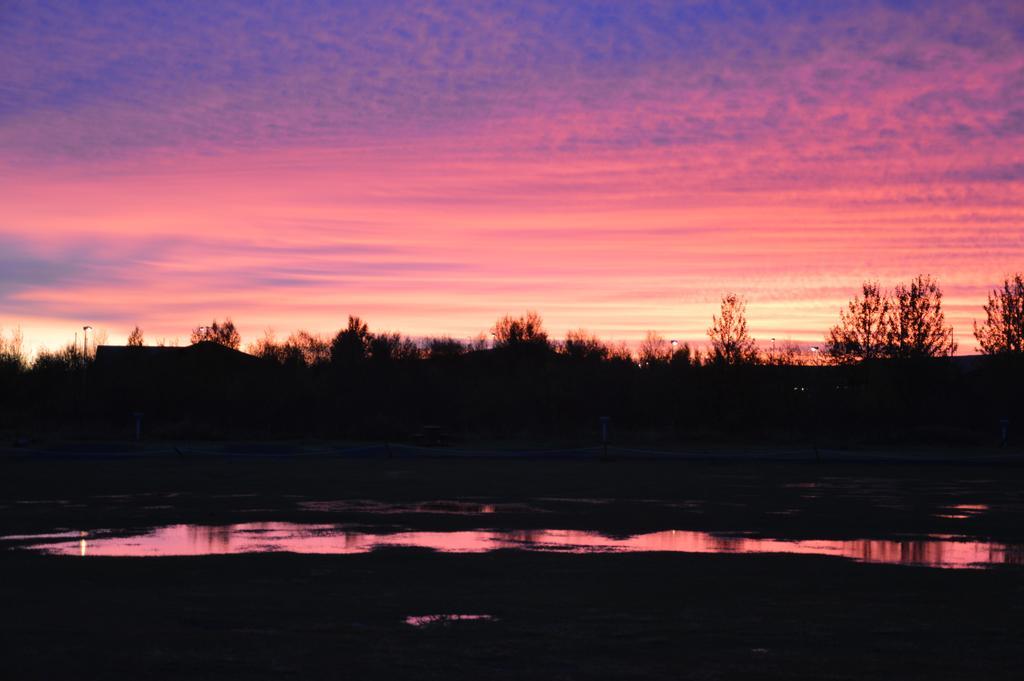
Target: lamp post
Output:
[(85, 355), (771, 357), (816, 398), (85, 341)]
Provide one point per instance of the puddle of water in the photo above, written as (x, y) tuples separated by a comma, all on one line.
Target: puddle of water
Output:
[(970, 508), (200, 540), (58, 534), (454, 507), (962, 511), (429, 620)]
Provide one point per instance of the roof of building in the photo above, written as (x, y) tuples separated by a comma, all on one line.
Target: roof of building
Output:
[(207, 353)]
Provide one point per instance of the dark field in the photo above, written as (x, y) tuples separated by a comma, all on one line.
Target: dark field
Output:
[(562, 616)]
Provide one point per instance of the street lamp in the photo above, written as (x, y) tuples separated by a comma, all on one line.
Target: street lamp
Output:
[(85, 358), (814, 405)]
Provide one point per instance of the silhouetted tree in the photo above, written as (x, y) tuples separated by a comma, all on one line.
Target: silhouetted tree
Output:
[(445, 346), (301, 349), (684, 355), (223, 333), (312, 349), (1002, 333), (863, 329), (11, 345), (654, 350), (69, 358), (790, 353), (730, 341), (478, 343), (392, 347), (584, 346), (620, 352), (12, 357), (525, 331), (352, 344), (135, 339), (917, 326), (783, 353), (268, 348)]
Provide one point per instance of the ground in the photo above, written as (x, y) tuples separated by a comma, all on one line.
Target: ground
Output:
[(646, 615)]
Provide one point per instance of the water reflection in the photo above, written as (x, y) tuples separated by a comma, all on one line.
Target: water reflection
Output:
[(962, 511), (427, 620), (199, 540)]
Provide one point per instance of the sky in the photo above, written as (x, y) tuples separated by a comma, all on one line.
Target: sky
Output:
[(432, 165)]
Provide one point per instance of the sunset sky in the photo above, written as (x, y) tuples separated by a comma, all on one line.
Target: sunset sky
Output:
[(431, 165)]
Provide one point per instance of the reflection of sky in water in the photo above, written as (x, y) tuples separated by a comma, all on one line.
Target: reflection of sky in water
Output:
[(962, 511), (198, 540), (427, 620)]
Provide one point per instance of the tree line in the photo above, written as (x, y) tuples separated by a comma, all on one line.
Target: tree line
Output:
[(906, 323), (878, 377)]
